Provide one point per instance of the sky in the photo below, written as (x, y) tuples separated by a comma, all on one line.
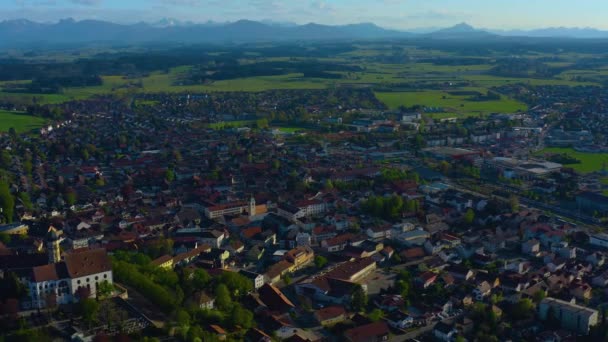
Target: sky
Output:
[(397, 14)]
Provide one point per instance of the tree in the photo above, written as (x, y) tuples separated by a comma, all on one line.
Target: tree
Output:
[(104, 289), (89, 309), (200, 279), (222, 297), (376, 315), (514, 203), (7, 202), (320, 261), (241, 317), (469, 216), (523, 309), (359, 299), (170, 175), (539, 296), (70, 197)]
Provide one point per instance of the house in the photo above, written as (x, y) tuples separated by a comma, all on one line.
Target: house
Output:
[(444, 332), (372, 332), (330, 315), (257, 335), (482, 290), (460, 273), (399, 320), (390, 302), (256, 279), (426, 279), (212, 238), (571, 316), (203, 301), (274, 299), (379, 232), (300, 256), (530, 247)]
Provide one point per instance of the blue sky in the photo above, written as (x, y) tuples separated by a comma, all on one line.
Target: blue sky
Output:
[(400, 14)]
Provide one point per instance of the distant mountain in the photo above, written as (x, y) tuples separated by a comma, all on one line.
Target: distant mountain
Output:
[(556, 32), (22, 32), (460, 31), (69, 31)]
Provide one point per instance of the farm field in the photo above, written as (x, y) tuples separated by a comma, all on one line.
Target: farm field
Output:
[(450, 103), (21, 122), (590, 162), (401, 75)]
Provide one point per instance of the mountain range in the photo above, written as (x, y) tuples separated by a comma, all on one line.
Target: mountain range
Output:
[(23, 32)]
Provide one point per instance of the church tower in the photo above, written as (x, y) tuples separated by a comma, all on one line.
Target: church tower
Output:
[(252, 206), (52, 245)]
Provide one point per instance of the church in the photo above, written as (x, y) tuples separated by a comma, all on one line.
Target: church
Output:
[(66, 280)]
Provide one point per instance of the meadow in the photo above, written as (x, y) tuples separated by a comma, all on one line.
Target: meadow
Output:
[(589, 162), (21, 122), (450, 103), (392, 80)]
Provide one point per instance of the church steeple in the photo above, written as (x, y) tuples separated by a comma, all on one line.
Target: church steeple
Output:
[(52, 245), (252, 206)]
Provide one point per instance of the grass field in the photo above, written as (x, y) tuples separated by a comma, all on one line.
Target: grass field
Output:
[(19, 121), (450, 103), (372, 74), (590, 162)]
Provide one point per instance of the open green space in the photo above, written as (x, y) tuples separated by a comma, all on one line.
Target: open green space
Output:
[(386, 67), (21, 122), (450, 103), (589, 162)]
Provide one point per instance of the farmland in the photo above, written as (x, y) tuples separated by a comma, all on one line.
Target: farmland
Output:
[(400, 76)]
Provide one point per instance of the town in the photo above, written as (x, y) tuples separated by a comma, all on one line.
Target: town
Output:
[(369, 225)]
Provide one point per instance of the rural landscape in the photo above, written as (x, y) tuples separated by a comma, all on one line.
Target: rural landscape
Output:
[(262, 181)]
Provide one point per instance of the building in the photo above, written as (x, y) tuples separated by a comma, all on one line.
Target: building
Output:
[(214, 211), (300, 256), (14, 229), (600, 239), (330, 315), (257, 279), (571, 316), (372, 332), (67, 281)]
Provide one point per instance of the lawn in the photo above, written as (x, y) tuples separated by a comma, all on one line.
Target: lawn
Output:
[(450, 103), (590, 162), (21, 122)]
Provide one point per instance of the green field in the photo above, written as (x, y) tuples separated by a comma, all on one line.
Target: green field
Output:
[(590, 162), (391, 79), (19, 121), (450, 103)]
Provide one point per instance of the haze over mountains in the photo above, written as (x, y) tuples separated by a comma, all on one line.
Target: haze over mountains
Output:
[(23, 32)]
